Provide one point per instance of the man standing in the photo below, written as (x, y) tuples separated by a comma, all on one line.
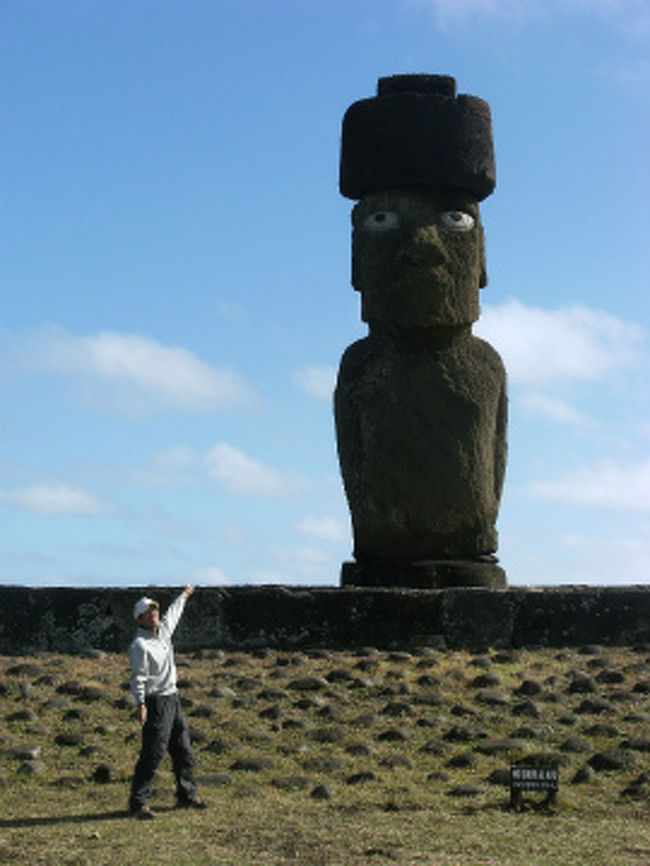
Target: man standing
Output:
[(153, 685)]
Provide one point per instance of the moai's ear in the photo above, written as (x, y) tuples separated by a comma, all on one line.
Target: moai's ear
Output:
[(483, 278)]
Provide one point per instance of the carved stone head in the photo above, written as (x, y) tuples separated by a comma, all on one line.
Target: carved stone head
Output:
[(418, 258), (419, 159)]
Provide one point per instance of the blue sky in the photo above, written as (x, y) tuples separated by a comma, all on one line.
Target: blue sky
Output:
[(176, 281)]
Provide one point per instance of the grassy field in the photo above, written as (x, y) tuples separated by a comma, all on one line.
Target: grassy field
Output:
[(334, 757)]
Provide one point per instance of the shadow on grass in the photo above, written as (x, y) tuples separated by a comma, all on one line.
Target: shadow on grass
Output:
[(52, 820)]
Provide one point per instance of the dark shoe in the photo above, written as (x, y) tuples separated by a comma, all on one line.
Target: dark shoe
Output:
[(144, 813), (191, 804)]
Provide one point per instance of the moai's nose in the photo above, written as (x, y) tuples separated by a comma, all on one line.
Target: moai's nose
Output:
[(423, 248)]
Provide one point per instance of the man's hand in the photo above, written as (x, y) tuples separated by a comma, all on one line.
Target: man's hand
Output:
[(141, 714), (189, 589)]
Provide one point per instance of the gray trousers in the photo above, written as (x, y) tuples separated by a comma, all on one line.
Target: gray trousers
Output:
[(165, 730)]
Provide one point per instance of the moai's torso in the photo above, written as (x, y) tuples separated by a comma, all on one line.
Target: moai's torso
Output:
[(421, 437)]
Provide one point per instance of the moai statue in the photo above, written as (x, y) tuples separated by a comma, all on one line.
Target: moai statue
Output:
[(420, 403)]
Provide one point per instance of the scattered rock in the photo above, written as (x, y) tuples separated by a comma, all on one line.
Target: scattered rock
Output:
[(291, 783), (614, 759), (436, 747), (463, 734), (530, 688), (397, 708), (23, 753), (534, 732), (438, 776), (498, 746), (328, 735), (220, 745), (203, 711), (461, 710), (360, 778), (593, 706), (396, 735), (222, 692), (464, 791), (360, 750), (103, 773), (527, 708), (493, 698), (25, 669), (462, 761), (323, 764), (69, 738), (499, 777), (590, 650), (485, 681), (309, 684), (322, 792), (23, 716), (32, 768), (216, 780), (576, 744), (252, 765), (584, 775), (610, 677), (602, 729), (395, 762), (639, 744), (583, 685)]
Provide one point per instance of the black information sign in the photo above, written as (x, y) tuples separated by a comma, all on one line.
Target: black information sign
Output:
[(530, 776)]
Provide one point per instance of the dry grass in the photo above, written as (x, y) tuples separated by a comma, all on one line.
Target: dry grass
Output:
[(401, 814)]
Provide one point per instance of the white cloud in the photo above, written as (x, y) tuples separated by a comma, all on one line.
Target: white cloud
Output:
[(211, 576), (260, 578), (55, 499), (318, 382), (614, 560), (570, 343), (310, 565), (242, 474), (554, 410), (606, 485), (175, 458), (140, 374), (631, 17), (327, 528)]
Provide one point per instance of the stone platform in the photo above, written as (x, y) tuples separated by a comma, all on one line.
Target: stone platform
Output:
[(282, 617)]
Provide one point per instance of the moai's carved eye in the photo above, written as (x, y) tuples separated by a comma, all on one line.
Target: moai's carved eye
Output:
[(381, 221), (456, 221)]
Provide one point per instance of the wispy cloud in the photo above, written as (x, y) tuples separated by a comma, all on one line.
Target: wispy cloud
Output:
[(55, 499), (309, 565), (605, 485), (554, 410), (326, 528), (244, 475), (137, 373), (631, 17), (210, 576), (316, 381), (570, 343), (615, 560)]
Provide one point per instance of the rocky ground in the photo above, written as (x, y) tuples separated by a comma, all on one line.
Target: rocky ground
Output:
[(395, 726)]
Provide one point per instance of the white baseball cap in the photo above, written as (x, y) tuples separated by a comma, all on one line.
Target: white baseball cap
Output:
[(142, 606)]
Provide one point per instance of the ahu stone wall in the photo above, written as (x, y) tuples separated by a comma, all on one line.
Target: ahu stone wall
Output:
[(71, 620)]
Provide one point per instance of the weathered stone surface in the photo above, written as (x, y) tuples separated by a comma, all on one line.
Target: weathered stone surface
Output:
[(275, 616), (420, 404), (421, 472), (613, 759), (416, 131)]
